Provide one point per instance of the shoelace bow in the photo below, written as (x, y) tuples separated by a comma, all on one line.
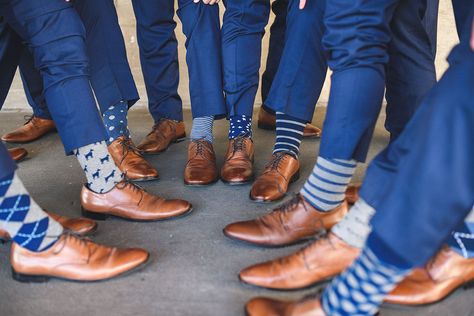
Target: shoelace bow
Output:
[(127, 147)]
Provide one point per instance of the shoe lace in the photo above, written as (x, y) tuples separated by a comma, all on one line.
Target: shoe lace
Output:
[(127, 183), (275, 162), (239, 144), (201, 148), (127, 147), (28, 119), (82, 242)]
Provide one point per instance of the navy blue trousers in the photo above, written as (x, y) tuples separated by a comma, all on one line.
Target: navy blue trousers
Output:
[(110, 73), (422, 185), (357, 39), (56, 37), (158, 53)]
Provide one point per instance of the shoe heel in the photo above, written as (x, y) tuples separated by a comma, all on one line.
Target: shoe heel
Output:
[(295, 177), (266, 127), (24, 278), (93, 215)]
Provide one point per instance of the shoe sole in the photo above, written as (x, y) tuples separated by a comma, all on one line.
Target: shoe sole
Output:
[(154, 153), (27, 278), (235, 183), (146, 179), (465, 286), (294, 178), (307, 287), (102, 217), (31, 140), (201, 185), (249, 243)]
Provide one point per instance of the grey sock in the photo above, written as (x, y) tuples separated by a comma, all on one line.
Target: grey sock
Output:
[(355, 226), (100, 169), (202, 128)]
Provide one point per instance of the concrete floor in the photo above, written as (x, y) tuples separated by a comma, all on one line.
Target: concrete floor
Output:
[(194, 267)]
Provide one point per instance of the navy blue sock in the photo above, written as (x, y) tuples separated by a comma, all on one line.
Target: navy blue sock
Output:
[(240, 125), (116, 121)]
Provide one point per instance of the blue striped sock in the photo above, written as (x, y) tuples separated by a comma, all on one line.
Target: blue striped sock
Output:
[(116, 121), (326, 187), (240, 125), (202, 128), (360, 290), (289, 132), (27, 224)]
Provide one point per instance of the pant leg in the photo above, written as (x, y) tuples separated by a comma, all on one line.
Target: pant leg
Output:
[(302, 71), (33, 85), (356, 39), (242, 32), (7, 165), (110, 74), (10, 51), (55, 35), (159, 57), (415, 220), (275, 49), (201, 25), (410, 73)]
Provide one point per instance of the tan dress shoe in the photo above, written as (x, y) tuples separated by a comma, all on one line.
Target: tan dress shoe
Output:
[(352, 193), (238, 165), (201, 167), (72, 258), (319, 261), (292, 222), (267, 121), (131, 202), (443, 274), (78, 226), (18, 154), (273, 183), (33, 129), (308, 306), (130, 161), (162, 135)]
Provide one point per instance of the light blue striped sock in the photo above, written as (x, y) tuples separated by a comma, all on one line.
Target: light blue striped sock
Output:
[(202, 128), (326, 187)]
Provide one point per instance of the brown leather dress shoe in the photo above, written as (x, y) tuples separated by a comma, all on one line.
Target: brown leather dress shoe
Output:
[(130, 161), (131, 202), (317, 262), (292, 222), (33, 129), (352, 193), (79, 226), (18, 153), (72, 258), (238, 165), (262, 306), (443, 274), (273, 183), (267, 121), (201, 167), (162, 135)]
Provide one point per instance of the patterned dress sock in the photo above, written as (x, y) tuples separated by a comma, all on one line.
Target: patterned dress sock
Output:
[(240, 125), (360, 290), (355, 227), (289, 133), (202, 128), (326, 187), (101, 172), (27, 224), (462, 238), (116, 121)]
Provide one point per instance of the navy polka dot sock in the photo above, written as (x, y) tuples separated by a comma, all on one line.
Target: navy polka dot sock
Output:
[(240, 125), (116, 121)]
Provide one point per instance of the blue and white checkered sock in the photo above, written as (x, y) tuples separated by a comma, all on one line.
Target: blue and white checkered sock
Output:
[(289, 133), (202, 128), (27, 224), (116, 121), (462, 238), (240, 125), (326, 187), (362, 287), (99, 167)]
